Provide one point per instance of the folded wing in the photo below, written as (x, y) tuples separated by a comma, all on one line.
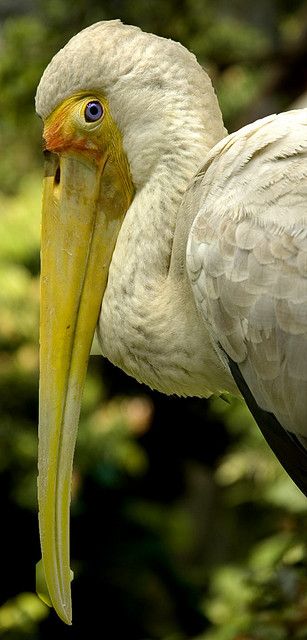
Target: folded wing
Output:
[(247, 262)]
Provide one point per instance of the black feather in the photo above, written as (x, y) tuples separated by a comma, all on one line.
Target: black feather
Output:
[(286, 446)]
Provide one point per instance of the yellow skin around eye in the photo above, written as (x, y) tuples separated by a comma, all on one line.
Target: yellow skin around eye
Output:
[(67, 128)]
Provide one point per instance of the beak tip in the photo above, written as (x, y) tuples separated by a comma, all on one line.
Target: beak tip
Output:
[(65, 616), (63, 608)]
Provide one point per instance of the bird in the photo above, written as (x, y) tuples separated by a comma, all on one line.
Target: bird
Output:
[(183, 247)]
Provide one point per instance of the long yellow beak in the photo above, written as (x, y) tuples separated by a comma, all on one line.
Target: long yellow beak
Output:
[(79, 230)]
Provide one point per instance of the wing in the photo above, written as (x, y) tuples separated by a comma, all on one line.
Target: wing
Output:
[(247, 262)]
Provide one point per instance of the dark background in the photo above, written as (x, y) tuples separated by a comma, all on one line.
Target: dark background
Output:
[(183, 524)]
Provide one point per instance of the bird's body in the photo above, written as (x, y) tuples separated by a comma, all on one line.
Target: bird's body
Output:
[(190, 248)]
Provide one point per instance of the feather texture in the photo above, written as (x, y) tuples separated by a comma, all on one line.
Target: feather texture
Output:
[(251, 236)]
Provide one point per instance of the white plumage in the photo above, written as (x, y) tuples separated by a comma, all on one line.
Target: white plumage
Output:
[(251, 279), (192, 244)]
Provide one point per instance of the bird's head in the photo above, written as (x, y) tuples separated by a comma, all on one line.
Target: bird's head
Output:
[(113, 101)]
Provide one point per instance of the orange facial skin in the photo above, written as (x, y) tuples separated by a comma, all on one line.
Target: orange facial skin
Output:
[(63, 129)]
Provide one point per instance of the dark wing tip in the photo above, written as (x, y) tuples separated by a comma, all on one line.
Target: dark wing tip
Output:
[(286, 446)]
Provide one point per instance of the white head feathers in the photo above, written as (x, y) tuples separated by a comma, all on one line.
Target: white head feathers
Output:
[(155, 88)]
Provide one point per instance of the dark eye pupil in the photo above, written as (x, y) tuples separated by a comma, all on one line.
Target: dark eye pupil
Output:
[(93, 111)]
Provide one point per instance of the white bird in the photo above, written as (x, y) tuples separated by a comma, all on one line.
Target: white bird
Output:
[(188, 247)]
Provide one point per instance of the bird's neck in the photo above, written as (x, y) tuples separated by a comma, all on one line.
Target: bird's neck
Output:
[(157, 224), (149, 324), (156, 220)]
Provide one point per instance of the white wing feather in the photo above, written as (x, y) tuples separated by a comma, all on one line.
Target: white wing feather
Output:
[(247, 258)]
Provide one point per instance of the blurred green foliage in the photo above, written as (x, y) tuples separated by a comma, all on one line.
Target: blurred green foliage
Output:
[(183, 523)]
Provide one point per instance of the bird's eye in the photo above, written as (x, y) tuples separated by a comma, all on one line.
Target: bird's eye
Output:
[(93, 111)]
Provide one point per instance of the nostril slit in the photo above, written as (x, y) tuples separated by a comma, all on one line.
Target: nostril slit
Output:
[(57, 176)]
